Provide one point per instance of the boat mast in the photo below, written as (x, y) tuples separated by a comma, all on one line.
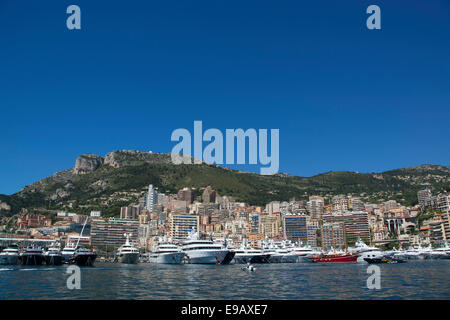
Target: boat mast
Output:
[(82, 229)]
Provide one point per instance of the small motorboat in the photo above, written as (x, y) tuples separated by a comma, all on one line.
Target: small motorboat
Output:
[(249, 268), (383, 260)]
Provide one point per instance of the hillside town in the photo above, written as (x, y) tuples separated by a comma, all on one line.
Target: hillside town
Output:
[(318, 222)]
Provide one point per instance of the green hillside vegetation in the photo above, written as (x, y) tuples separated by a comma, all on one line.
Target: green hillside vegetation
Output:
[(137, 174)]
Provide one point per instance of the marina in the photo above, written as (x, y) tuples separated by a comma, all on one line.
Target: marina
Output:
[(202, 251)]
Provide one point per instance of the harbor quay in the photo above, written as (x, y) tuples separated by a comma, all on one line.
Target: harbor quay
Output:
[(203, 227)]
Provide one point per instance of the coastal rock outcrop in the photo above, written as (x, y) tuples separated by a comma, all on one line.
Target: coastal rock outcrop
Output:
[(59, 193), (87, 163), (4, 206)]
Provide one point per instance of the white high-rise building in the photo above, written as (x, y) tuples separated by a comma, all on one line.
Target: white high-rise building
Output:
[(315, 207), (340, 203), (424, 196), (443, 202), (151, 198), (358, 205), (273, 207)]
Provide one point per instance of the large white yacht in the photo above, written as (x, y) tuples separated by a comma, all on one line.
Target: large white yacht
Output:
[(68, 251), (166, 252), (279, 251), (128, 253), (286, 255), (205, 251), (10, 255), (53, 255), (247, 254), (268, 247), (435, 253), (414, 253), (32, 256), (441, 253), (360, 246)]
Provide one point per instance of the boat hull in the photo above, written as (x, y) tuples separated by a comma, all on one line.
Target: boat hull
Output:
[(262, 258), (334, 259), (206, 256), (167, 258), (289, 258), (32, 259), (54, 260), (9, 259), (66, 257), (228, 258), (382, 260), (83, 259), (251, 258), (303, 258), (441, 255), (275, 258), (129, 258), (242, 258)]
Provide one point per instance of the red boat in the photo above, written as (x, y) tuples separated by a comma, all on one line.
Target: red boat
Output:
[(335, 258)]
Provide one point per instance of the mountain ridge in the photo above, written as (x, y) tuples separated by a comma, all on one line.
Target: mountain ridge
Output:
[(120, 178)]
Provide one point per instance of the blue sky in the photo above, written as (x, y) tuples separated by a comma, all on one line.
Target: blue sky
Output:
[(344, 97)]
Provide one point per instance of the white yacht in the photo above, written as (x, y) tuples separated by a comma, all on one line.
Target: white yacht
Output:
[(372, 254), (362, 249), (10, 255), (280, 251), (83, 257), (303, 252), (205, 251), (68, 251), (413, 253), (431, 253), (442, 253), (268, 247), (247, 254), (166, 252), (399, 253), (286, 255), (360, 246), (128, 253), (53, 255), (32, 256)]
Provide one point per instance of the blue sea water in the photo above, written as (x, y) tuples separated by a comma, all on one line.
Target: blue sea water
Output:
[(427, 279)]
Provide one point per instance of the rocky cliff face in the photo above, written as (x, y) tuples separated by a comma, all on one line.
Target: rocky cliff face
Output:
[(123, 158), (87, 163)]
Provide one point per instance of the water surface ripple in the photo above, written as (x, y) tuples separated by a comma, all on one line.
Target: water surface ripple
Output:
[(411, 280)]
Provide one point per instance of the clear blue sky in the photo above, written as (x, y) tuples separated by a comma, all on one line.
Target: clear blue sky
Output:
[(343, 97)]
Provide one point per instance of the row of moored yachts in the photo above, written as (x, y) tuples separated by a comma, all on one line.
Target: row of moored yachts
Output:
[(71, 254), (197, 251), (201, 251)]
